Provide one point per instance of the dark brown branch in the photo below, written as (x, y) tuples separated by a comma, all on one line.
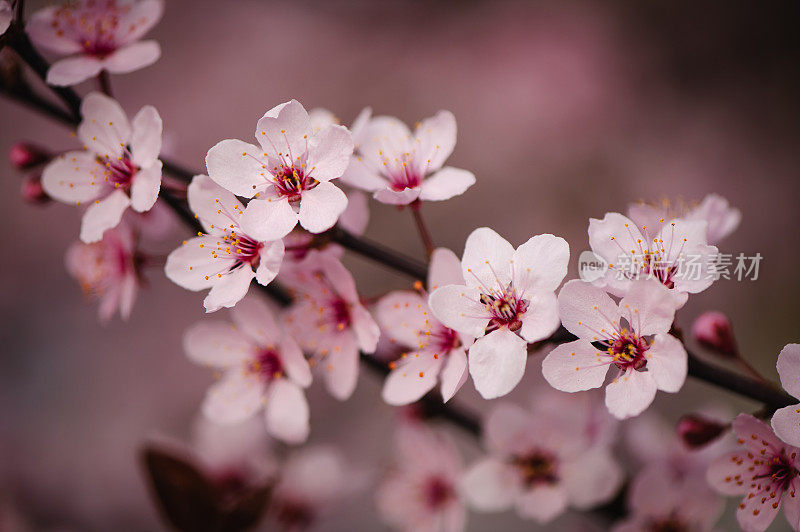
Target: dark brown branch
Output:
[(379, 253)]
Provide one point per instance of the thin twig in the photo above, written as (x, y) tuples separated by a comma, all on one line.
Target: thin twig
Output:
[(422, 228), (379, 253)]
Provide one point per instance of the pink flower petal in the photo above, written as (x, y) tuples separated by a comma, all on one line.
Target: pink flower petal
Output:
[(446, 183), (497, 362), (103, 215), (146, 136), (321, 206), (287, 412), (132, 57), (575, 367)]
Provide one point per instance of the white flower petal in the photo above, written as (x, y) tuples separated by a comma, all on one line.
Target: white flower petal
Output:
[(630, 394), (105, 129), (455, 373), (329, 153), (402, 315), (268, 219), (541, 319), (594, 477), (284, 130), (73, 70), (574, 367), (542, 503), (435, 139), (490, 485), (648, 307), (132, 57), (234, 398), (445, 269), (397, 197), (270, 259), (789, 369), (255, 321), (229, 289), (667, 361), (340, 367), (321, 206), (294, 362), (45, 34), (586, 311), (457, 307), (145, 187), (786, 424), (74, 177), (238, 167), (140, 18), (192, 265), (287, 412), (486, 262), (446, 183), (146, 136), (497, 362), (415, 376), (103, 215), (541, 263), (217, 343), (212, 204)]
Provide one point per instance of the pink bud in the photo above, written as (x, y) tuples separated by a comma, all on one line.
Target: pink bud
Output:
[(696, 431), (714, 331), (32, 190), (24, 155)]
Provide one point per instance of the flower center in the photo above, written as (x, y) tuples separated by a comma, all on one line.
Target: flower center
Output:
[(291, 181), (667, 524), (294, 514), (267, 365), (119, 172), (780, 471), (655, 267), (340, 314), (437, 492), (505, 308), (95, 25), (538, 467), (628, 350)]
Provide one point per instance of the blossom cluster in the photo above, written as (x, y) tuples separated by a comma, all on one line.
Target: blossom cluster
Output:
[(274, 211)]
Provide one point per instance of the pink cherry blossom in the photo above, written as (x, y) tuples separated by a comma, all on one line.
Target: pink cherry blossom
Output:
[(540, 466), (6, 16), (657, 500), (97, 35), (506, 299), (108, 271), (228, 257), (436, 352), (674, 252), (330, 323), (646, 357), (722, 219), (313, 481), (400, 167), (262, 368), (786, 421), (288, 174), (765, 471), (119, 166), (420, 493)]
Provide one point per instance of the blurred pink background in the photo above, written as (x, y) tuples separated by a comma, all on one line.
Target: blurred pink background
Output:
[(566, 110)]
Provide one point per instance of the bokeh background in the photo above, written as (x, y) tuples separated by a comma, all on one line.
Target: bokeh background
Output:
[(566, 110)]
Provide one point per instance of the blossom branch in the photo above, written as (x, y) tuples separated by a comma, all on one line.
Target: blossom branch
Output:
[(422, 228)]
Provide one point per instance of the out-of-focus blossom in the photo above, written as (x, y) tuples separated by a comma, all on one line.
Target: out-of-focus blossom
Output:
[(228, 257), (313, 481), (765, 471), (646, 357), (6, 16), (722, 219), (786, 421), (108, 271), (540, 466), (714, 331), (302, 247), (262, 368), (329, 322), (321, 118), (289, 174), (97, 35), (674, 252), (506, 300), (659, 501), (237, 453), (119, 167), (420, 493), (436, 351), (400, 167)]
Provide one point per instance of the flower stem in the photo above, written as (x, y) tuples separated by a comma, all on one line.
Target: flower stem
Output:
[(424, 234), (104, 83), (379, 253)]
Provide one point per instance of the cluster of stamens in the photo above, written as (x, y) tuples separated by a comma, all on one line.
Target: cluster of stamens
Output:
[(504, 307), (646, 260), (537, 467), (291, 181), (119, 171), (266, 365), (94, 24), (628, 350), (437, 492)]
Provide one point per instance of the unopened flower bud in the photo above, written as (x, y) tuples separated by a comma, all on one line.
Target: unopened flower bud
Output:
[(696, 430), (24, 155), (714, 331), (32, 190)]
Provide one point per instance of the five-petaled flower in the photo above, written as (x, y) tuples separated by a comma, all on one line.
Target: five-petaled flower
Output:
[(98, 34), (228, 257), (420, 492), (119, 167), (108, 271), (786, 421), (540, 464), (674, 252), (646, 357), (765, 471), (400, 167), (288, 175), (262, 368), (506, 301), (330, 323), (436, 352)]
